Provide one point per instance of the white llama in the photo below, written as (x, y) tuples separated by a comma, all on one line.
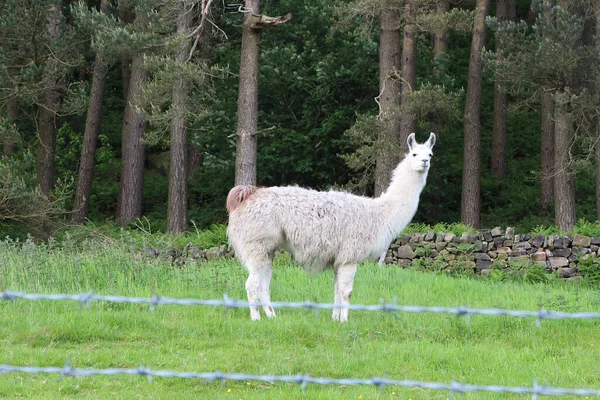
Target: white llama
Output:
[(322, 229)]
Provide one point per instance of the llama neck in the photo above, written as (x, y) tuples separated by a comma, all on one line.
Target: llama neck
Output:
[(399, 202)]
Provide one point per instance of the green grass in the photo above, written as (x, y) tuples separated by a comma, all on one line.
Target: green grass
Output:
[(427, 347)]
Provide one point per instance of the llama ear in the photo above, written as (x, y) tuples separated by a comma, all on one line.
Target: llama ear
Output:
[(411, 141), (431, 141)]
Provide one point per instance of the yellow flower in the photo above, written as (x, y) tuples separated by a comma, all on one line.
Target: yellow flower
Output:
[(393, 393), (248, 383), (228, 390)]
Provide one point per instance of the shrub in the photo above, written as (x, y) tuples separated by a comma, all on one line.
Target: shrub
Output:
[(23, 207)]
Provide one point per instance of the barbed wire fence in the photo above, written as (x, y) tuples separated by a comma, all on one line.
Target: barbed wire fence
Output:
[(86, 299)]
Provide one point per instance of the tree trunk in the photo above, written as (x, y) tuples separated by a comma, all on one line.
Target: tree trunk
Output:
[(564, 185), (177, 203), (85, 177), (247, 105), (471, 189), (408, 123), (440, 38), (126, 16), (597, 158), (47, 113), (389, 99), (134, 128), (511, 10), (597, 147), (547, 138), (12, 112), (498, 162)]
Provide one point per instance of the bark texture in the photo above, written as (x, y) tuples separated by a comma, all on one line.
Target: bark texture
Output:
[(440, 38), (564, 185), (177, 200), (547, 136), (47, 113), (471, 182), (85, 176), (408, 123), (498, 162), (597, 147), (134, 128), (247, 104), (126, 16), (389, 99)]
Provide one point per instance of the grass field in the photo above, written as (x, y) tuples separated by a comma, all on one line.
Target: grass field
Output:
[(427, 347)]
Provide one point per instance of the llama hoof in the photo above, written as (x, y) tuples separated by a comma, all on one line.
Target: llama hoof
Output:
[(254, 315)]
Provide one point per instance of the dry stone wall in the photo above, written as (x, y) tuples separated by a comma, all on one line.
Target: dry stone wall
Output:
[(498, 248)]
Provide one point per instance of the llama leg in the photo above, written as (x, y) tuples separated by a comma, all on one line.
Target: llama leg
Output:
[(264, 293), (344, 282), (252, 289), (337, 297)]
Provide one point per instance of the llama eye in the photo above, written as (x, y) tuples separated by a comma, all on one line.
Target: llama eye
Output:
[(430, 155), (414, 154)]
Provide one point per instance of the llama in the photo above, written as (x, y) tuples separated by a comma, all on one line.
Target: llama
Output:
[(321, 229)]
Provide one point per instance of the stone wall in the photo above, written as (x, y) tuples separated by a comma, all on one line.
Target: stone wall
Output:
[(500, 247)]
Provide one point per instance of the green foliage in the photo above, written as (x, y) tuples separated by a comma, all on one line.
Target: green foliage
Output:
[(456, 228), (582, 227), (23, 208), (536, 274), (433, 106), (214, 236), (589, 267), (363, 135)]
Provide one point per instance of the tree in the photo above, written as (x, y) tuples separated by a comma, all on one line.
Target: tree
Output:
[(471, 186), (564, 184), (49, 107), (177, 201), (552, 58), (498, 162), (247, 110), (597, 145), (408, 122), (247, 114), (132, 148), (440, 36), (389, 98), (87, 162), (547, 135), (126, 16)]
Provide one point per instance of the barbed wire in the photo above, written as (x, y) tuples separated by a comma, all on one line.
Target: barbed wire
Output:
[(303, 380), (228, 303)]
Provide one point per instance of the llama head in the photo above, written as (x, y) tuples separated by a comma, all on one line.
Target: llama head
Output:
[(420, 154)]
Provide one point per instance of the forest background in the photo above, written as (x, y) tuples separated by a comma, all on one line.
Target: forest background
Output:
[(116, 111)]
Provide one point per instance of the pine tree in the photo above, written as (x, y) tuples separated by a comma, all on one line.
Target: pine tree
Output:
[(471, 184), (552, 58), (87, 162)]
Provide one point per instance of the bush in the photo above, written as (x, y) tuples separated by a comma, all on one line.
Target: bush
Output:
[(23, 207)]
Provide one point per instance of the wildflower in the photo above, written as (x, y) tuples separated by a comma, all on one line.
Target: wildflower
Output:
[(229, 390)]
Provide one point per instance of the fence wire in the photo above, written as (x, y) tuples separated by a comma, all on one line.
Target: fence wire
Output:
[(303, 380), (228, 303), (454, 387)]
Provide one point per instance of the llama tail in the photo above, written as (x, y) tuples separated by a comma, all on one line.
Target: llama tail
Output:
[(238, 195)]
